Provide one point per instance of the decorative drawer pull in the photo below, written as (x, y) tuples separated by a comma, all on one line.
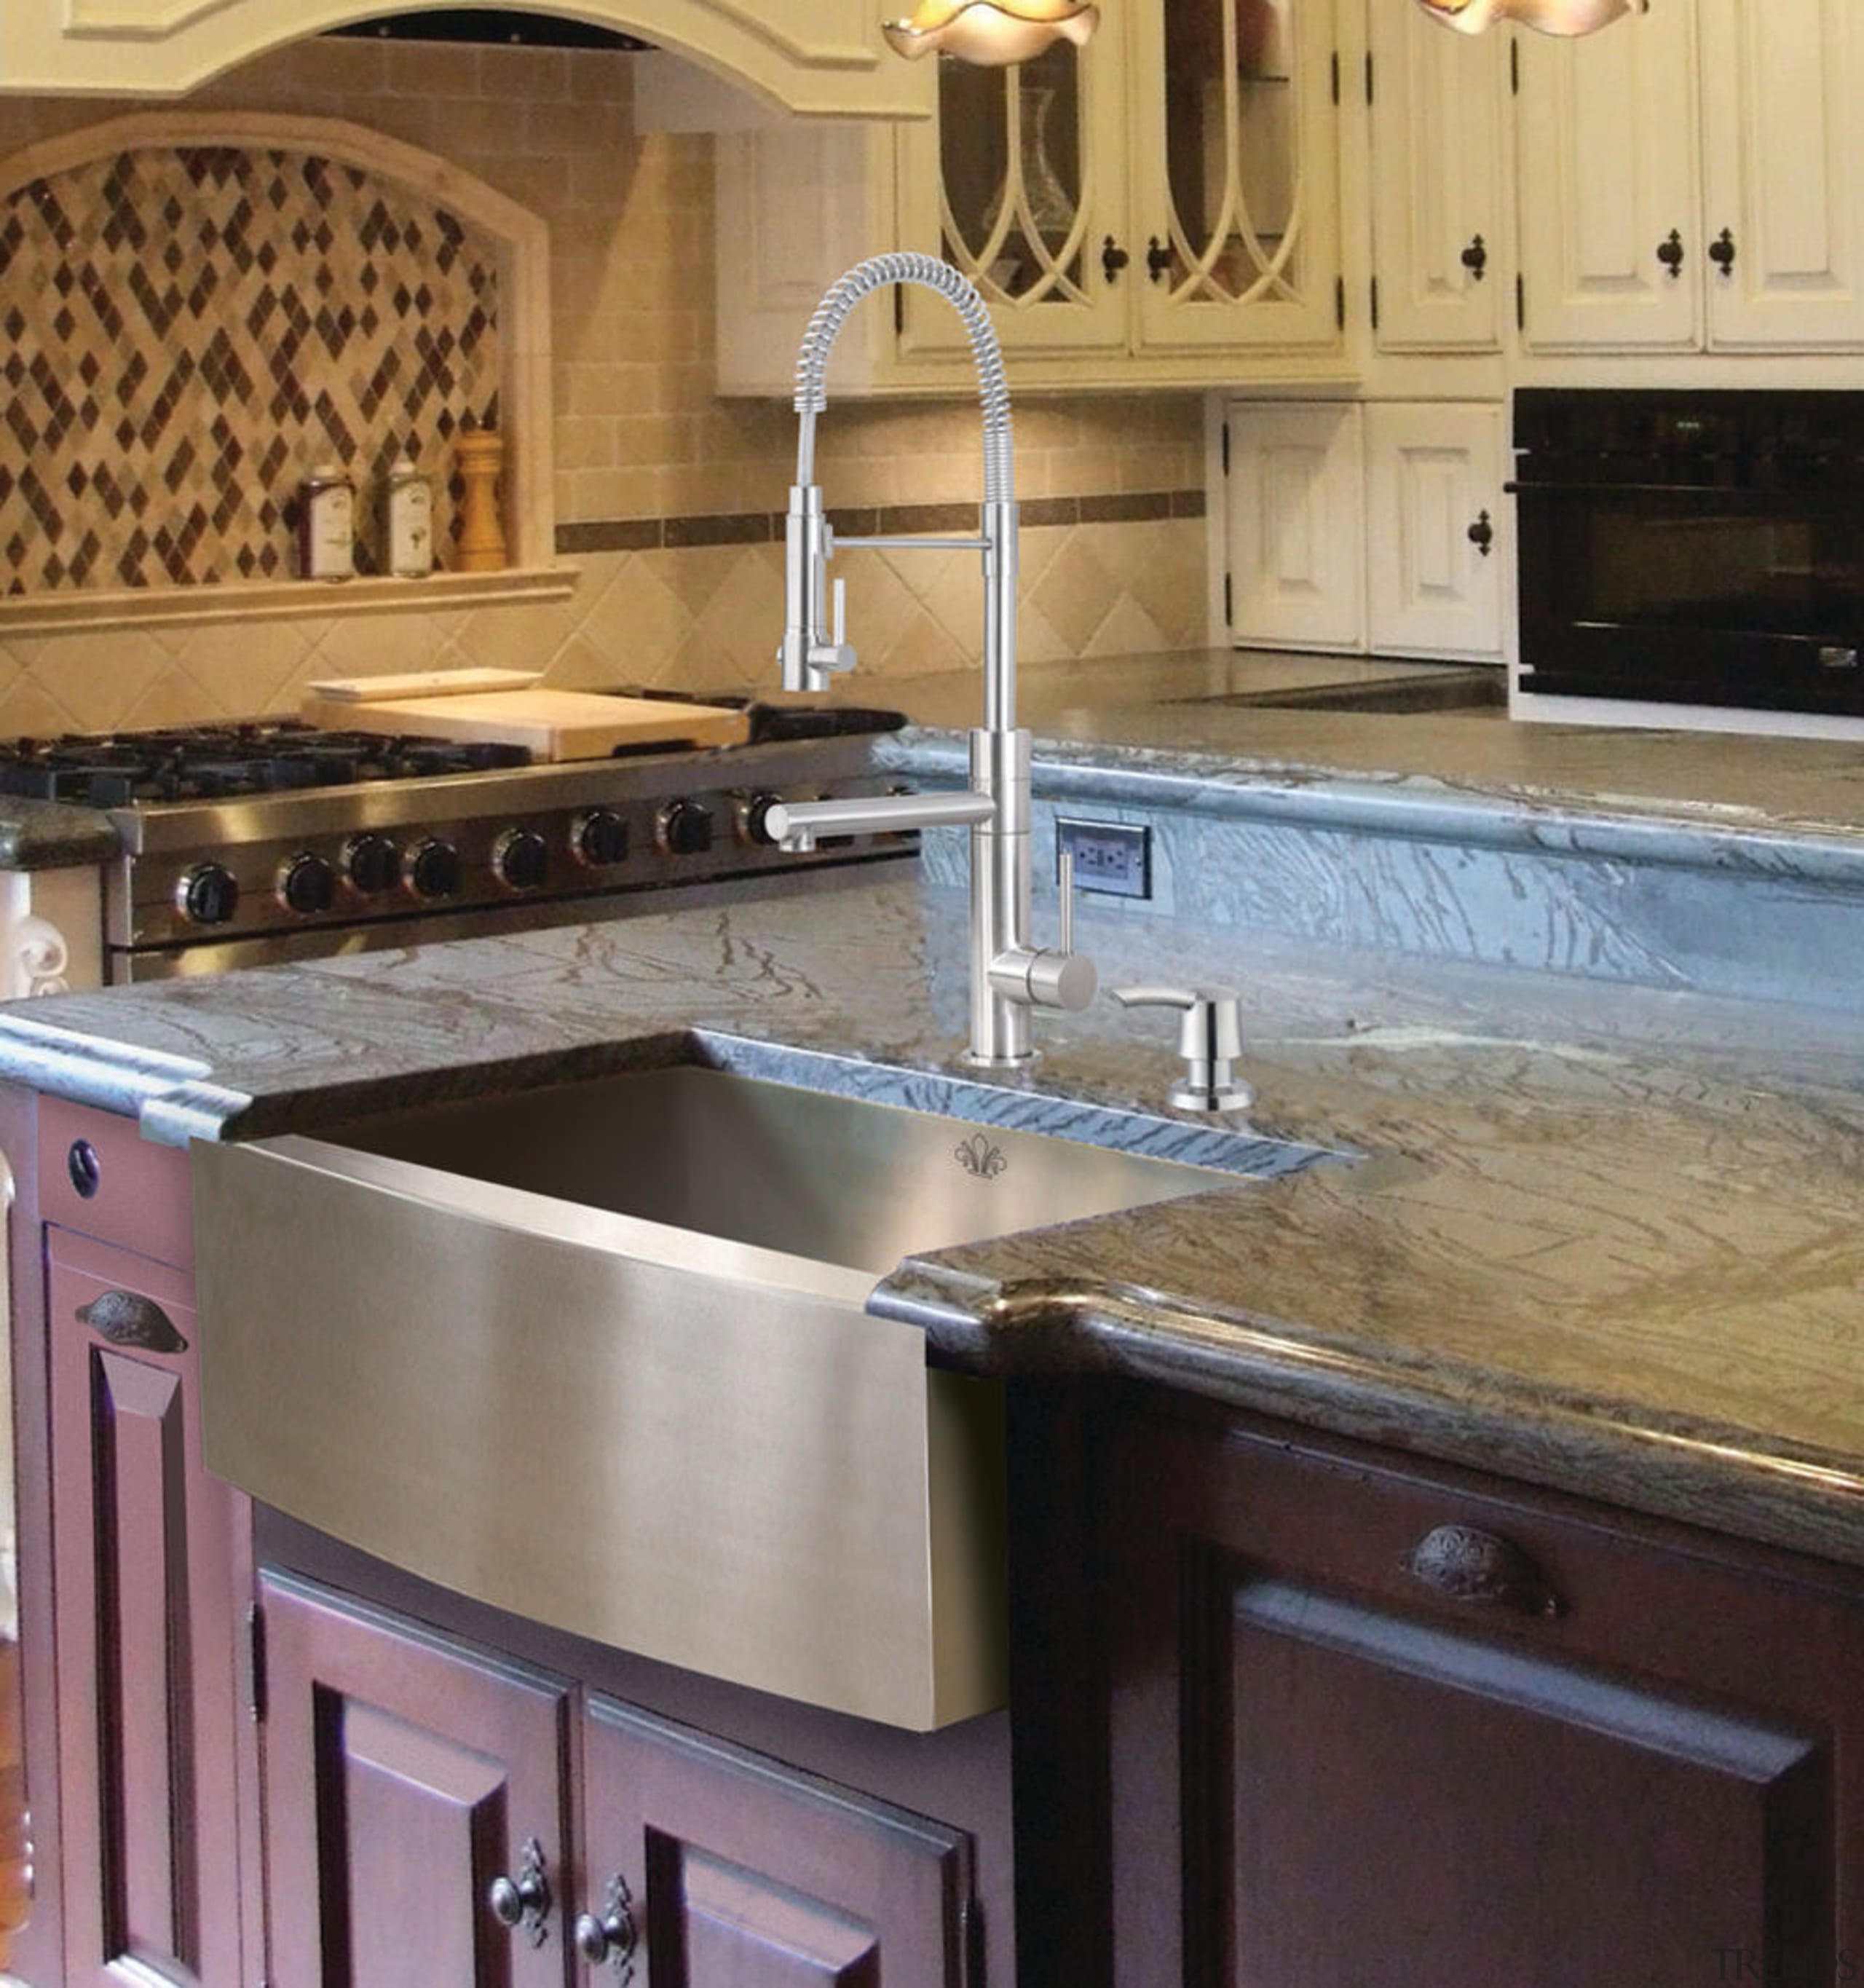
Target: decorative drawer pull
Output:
[(524, 1901), (1158, 259), (1669, 252), (125, 1319), (1475, 257), (1466, 1565), (1482, 534), (610, 1940), (1721, 252), (1113, 258)]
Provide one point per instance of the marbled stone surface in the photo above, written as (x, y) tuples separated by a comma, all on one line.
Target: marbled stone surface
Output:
[(49, 835), (1601, 1237)]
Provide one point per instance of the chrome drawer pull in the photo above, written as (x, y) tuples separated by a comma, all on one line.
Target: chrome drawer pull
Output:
[(124, 1319), (1466, 1565)]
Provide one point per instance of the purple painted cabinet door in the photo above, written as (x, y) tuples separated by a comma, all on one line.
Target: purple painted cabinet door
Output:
[(709, 1867), (153, 1567), (414, 1789)]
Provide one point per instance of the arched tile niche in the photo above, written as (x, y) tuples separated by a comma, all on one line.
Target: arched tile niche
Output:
[(197, 308)]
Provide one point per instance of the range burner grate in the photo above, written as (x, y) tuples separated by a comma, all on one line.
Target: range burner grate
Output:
[(223, 761)]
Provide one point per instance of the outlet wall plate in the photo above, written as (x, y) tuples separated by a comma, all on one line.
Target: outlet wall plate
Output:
[(1112, 858)]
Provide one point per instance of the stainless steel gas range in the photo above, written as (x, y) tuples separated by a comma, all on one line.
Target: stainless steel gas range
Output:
[(245, 845)]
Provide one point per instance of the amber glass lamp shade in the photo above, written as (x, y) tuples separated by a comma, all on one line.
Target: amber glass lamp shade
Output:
[(992, 33), (1550, 17)]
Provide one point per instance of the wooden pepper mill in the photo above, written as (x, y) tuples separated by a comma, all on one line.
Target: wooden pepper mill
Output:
[(480, 453)]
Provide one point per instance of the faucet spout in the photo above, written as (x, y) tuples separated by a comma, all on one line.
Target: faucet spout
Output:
[(1009, 975)]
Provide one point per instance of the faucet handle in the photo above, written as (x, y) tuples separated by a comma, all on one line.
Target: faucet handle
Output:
[(1210, 1040), (836, 655)]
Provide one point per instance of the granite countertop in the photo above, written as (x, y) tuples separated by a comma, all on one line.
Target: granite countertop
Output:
[(1604, 1238), (51, 835)]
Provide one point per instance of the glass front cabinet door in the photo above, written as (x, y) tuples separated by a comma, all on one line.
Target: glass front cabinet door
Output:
[(1168, 190)]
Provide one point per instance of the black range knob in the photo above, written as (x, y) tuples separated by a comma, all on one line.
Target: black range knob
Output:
[(372, 864), (308, 883), (686, 828), (209, 895), (435, 869), (753, 817), (521, 859), (599, 838)]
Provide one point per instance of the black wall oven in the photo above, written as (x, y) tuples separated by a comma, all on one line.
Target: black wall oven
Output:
[(1695, 547)]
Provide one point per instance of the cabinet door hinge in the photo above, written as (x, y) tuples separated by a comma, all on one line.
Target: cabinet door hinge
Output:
[(1368, 89), (1229, 601), (1339, 302), (1336, 76), (1373, 287), (1521, 301), (1226, 449), (255, 1661)]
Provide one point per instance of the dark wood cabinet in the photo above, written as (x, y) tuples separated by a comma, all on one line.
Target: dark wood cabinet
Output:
[(416, 1803), (1366, 1722), (151, 1564), (742, 1873)]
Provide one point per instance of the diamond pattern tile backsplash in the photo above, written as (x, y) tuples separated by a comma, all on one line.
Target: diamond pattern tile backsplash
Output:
[(185, 332)]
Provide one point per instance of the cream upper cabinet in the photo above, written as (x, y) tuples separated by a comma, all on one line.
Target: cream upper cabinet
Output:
[(1440, 229), (811, 55), (1160, 207), (1695, 176)]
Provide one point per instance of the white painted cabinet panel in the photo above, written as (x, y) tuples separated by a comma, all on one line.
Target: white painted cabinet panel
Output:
[(1605, 141), (1297, 524), (1439, 227), (813, 55), (1783, 172), (1434, 516)]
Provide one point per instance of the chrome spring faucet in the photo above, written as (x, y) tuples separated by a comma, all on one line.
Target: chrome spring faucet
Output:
[(1009, 975)]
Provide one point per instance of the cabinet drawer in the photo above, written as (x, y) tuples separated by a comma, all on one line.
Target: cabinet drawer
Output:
[(98, 1176)]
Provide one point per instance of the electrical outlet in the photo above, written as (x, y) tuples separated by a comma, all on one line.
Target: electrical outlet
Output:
[(1113, 857)]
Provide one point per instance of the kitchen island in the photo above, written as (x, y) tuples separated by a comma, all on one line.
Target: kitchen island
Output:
[(1595, 1240)]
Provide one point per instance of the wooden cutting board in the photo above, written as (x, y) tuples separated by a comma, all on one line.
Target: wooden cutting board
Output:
[(554, 724)]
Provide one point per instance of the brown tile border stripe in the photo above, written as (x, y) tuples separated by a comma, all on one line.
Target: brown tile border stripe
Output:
[(757, 528)]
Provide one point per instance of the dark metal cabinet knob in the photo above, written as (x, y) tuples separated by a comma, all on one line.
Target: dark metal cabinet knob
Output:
[(1113, 258), (1669, 252), (85, 1169), (522, 1903), (1158, 259), (127, 1318), (610, 1940), (1475, 257), (1721, 252), (1482, 534), (1466, 1565)]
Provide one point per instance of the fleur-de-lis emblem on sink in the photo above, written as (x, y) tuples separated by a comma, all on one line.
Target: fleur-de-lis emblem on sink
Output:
[(980, 1158)]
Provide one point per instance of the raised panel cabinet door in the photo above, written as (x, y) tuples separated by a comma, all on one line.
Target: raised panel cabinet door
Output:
[(1296, 503), (1365, 1728), (152, 1560), (709, 1867), (1605, 125), (1439, 228), (1783, 173), (415, 1803), (1434, 513)]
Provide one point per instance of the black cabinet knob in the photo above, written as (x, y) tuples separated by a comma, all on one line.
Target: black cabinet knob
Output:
[(308, 884), (435, 869), (209, 895), (600, 838), (372, 864), (521, 860), (1669, 252), (686, 829), (1113, 258), (1721, 252), (1475, 257)]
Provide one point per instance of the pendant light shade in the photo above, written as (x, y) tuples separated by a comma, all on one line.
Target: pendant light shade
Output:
[(991, 33), (1550, 17)]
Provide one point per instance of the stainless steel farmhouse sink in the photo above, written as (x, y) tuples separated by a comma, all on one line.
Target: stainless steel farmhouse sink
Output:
[(597, 1355)]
